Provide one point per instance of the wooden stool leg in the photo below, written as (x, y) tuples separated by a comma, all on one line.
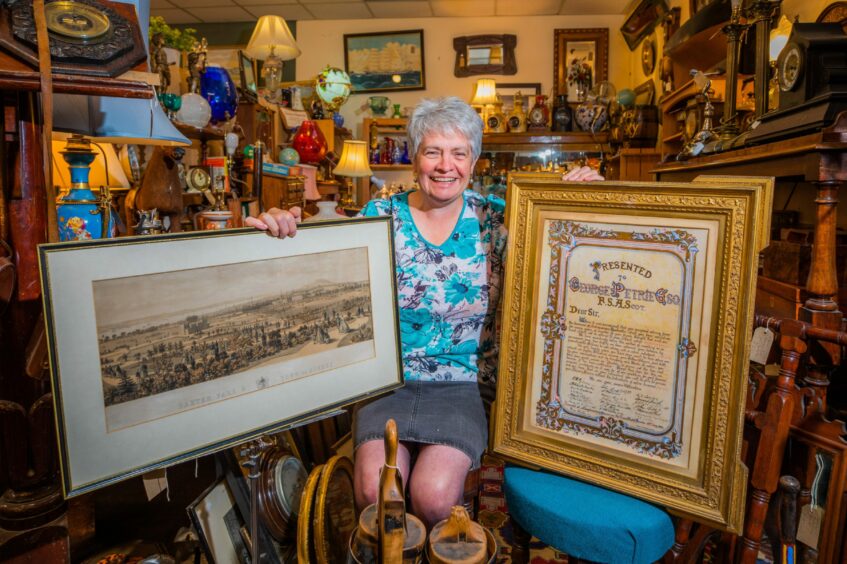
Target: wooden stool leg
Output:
[(520, 548)]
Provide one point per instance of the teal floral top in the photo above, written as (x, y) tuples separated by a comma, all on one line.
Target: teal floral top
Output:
[(448, 294)]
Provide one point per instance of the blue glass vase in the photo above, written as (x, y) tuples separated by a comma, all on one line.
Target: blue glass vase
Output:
[(220, 91)]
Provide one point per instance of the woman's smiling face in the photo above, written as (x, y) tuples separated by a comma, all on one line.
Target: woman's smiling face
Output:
[(443, 166)]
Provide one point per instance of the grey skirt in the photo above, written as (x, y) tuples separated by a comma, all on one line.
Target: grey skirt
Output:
[(435, 413)]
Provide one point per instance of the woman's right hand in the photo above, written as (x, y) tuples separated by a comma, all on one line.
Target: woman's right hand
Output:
[(277, 222)]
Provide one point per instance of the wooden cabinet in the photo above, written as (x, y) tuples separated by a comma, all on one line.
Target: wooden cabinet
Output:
[(633, 164), (258, 122), (280, 191)]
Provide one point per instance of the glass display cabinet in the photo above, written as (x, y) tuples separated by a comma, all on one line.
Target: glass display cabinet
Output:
[(535, 151)]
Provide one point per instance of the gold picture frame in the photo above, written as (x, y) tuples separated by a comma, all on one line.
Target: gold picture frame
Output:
[(626, 332), (588, 47)]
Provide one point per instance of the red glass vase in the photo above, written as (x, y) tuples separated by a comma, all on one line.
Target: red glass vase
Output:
[(309, 143)]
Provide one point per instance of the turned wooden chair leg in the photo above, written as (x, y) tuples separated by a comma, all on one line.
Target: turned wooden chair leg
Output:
[(520, 548)]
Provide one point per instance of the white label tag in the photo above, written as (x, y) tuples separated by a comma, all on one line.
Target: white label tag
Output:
[(809, 529), (760, 346), (155, 482)]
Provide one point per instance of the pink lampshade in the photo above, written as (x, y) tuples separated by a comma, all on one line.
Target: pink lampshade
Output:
[(311, 184)]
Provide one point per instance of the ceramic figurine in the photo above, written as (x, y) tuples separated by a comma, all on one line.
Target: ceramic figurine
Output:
[(517, 117), (159, 61)]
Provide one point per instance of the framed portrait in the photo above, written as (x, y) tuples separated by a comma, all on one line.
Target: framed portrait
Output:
[(247, 72), (642, 20), (227, 57), (165, 348), (386, 61), (580, 60), (508, 90), (623, 359), (220, 526)]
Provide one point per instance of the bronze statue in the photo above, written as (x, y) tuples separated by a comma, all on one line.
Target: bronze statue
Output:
[(159, 61), (196, 65)]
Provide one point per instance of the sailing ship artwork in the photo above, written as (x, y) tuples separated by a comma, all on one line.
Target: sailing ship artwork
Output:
[(379, 62)]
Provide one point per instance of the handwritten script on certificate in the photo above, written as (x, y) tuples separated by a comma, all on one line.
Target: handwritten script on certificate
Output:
[(615, 333)]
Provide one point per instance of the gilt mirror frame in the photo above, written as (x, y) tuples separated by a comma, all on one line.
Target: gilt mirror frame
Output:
[(462, 45), (563, 37)]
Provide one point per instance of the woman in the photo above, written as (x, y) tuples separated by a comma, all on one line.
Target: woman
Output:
[(449, 246)]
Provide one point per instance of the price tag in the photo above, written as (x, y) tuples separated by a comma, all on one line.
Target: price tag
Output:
[(809, 529), (760, 346)]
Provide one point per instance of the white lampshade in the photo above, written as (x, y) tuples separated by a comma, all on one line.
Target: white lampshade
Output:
[(354, 160), (271, 36), (779, 37), (486, 92), (115, 120)]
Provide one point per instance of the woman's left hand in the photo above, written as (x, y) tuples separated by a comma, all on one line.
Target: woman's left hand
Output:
[(583, 173)]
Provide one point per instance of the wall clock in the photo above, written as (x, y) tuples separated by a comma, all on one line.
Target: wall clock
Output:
[(88, 37), (648, 56), (280, 488)]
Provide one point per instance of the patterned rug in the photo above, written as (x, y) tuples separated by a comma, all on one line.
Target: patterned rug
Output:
[(494, 515)]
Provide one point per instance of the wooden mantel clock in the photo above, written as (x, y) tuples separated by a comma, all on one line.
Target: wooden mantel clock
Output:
[(812, 76), (87, 37)]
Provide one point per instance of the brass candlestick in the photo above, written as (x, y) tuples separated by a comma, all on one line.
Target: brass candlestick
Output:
[(762, 11), (733, 31)]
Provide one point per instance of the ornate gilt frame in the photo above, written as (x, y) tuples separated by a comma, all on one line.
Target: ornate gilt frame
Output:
[(559, 409)]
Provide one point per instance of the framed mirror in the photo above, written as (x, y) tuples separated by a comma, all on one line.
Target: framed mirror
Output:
[(485, 54), (580, 60)]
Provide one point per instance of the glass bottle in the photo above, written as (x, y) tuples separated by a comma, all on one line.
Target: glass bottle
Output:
[(562, 114)]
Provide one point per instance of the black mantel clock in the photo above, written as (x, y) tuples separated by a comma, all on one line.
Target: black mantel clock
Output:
[(88, 37), (812, 76)]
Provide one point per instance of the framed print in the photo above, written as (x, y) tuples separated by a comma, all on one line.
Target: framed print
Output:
[(623, 359), (247, 71), (642, 20), (387, 61), (228, 58), (168, 347), (580, 60), (220, 526)]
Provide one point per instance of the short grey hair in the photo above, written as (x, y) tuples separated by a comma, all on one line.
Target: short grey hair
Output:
[(443, 116)]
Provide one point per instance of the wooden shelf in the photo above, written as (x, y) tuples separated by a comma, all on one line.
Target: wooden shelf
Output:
[(16, 75), (391, 167), (673, 138), (202, 134)]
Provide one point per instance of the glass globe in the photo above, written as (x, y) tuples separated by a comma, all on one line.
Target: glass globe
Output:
[(194, 110), (289, 156), (332, 86)]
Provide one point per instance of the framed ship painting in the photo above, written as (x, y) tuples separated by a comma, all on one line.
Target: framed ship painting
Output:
[(384, 62), (625, 350), (168, 347)]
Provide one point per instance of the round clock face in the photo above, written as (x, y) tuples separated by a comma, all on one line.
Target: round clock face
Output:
[(76, 21), (536, 116), (289, 478), (790, 67), (198, 179)]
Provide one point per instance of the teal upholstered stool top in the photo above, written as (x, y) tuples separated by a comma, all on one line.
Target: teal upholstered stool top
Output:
[(587, 521)]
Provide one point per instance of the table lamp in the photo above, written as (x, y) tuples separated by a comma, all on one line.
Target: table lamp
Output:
[(273, 42), (353, 163), (485, 95)]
